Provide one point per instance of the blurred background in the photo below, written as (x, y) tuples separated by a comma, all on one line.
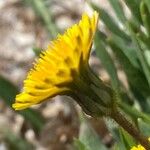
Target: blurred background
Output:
[(26, 27)]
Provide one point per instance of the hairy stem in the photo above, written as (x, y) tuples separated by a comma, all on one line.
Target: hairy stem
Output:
[(130, 128)]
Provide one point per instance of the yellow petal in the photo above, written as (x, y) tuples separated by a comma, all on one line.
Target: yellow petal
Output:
[(35, 96), (52, 72), (139, 147)]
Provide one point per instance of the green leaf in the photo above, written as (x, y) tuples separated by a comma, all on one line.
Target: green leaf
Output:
[(37, 50), (135, 9), (126, 139), (147, 56), (34, 117), (139, 51), (110, 23), (106, 60), (8, 93), (127, 49), (17, 143), (44, 13), (116, 147), (147, 2), (144, 127), (79, 145), (137, 82), (118, 9), (143, 41), (89, 137), (114, 130), (134, 113), (145, 17), (134, 75)]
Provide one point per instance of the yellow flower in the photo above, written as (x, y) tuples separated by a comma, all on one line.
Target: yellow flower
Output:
[(60, 65), (139, 147)]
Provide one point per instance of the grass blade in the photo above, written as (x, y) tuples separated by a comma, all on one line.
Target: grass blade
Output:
[(110, 23), (117, 7), (8, 92), (106, 60)]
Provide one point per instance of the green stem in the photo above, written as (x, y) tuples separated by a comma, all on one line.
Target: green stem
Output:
[(130, 128)]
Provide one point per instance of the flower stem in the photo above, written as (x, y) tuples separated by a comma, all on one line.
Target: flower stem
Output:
[(130, 128)]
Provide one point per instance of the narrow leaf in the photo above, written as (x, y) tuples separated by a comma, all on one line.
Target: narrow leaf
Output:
[(135, 9), (128, 49), (144, 127), (137, 82), (126, 139), (139, 51), (106, 60), (147, 2), (145, 17), (79, 145), (134, 113), (117, 7), (110, 23), (89, 137), (8, 92), (44, 13), (17, 143)]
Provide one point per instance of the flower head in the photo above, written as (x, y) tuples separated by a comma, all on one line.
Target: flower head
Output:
[(139, 147), (59, 65)]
